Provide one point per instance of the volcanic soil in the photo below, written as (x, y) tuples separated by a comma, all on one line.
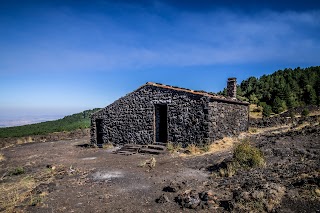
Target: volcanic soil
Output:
[(69, 176)]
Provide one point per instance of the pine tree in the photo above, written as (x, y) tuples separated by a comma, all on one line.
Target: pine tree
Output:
[(278, 105), (266, 111)]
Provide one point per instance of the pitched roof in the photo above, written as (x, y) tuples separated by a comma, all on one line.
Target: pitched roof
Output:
[(211, 95)]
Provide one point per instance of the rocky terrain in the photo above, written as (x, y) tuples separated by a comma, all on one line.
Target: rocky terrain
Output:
[(70, 176)]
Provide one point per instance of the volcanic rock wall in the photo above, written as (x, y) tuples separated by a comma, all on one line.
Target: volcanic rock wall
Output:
[(131, 118), (227, 119)]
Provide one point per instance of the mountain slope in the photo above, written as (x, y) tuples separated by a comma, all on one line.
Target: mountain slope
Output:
[(283, 89), (68, 123)]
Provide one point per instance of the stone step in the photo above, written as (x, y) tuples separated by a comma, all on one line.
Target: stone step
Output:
[(125, 153), (129, 150), (135, 146), (157, 147), (151, 151), (131, 147), (160, 143)]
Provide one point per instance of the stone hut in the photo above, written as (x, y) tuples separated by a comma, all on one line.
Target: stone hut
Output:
[(161, 113)]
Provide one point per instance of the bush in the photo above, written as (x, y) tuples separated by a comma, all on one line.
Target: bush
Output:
[(266, 111), (248, 156), (291, 114), (278, 105), (305, 112), (17, 171)]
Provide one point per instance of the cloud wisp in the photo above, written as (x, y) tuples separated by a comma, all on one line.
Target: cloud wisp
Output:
[(100, 42)]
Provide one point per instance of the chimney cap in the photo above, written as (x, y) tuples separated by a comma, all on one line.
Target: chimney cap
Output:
[(232, 79)]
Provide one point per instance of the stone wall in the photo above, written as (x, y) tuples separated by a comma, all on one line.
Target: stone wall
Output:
[(227, 119), (131, 118)]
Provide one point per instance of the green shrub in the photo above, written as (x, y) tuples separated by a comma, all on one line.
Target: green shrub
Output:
[(292, 115), (248, 156), (17, 171), (305, 112), (266, 112)]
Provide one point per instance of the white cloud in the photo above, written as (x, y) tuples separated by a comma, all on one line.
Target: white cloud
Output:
[(104, 42)]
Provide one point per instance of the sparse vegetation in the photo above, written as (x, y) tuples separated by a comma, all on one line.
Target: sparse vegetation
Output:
[(292, 115), (193, 149), (151, 163), (253, 130), (35, 200), (305, 112), (248, 156), (107, 146), (68, 123), (17, 171), (171, 147), (244, 156), (229, 171), (13, 193), (2, 158), (205, 147), (265, 198)]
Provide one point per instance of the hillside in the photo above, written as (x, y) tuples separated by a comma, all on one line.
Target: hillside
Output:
[(277, 92), (282, 90), (68, 123)]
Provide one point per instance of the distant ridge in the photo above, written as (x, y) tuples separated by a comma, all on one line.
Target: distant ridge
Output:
[(68, 123)]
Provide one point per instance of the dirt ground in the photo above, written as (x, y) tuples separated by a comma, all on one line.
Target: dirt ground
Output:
[(67, 176)]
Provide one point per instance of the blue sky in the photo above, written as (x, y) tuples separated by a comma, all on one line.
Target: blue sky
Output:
[(63, 56)]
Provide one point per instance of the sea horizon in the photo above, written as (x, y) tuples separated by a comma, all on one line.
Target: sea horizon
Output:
[(12, 121)]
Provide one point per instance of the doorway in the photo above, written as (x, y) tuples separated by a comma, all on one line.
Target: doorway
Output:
[(99, 131), (161, 123)]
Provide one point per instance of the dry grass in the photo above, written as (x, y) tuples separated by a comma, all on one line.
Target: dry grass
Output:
[(253, 130), (313, 113), (225, 144), (192, 149), (303, 125), (151, 163), (255, 111), (229, 171), (171, 147), (23, 140), (107, 146), (275, 129), (15, 192), (2, 158)]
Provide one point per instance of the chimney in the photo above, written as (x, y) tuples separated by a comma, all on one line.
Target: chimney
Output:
[(232, 88)]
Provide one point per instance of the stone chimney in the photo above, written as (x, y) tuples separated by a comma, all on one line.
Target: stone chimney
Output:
[(232, 88)]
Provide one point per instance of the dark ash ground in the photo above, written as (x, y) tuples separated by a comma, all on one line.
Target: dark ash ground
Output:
[(72, 178)]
